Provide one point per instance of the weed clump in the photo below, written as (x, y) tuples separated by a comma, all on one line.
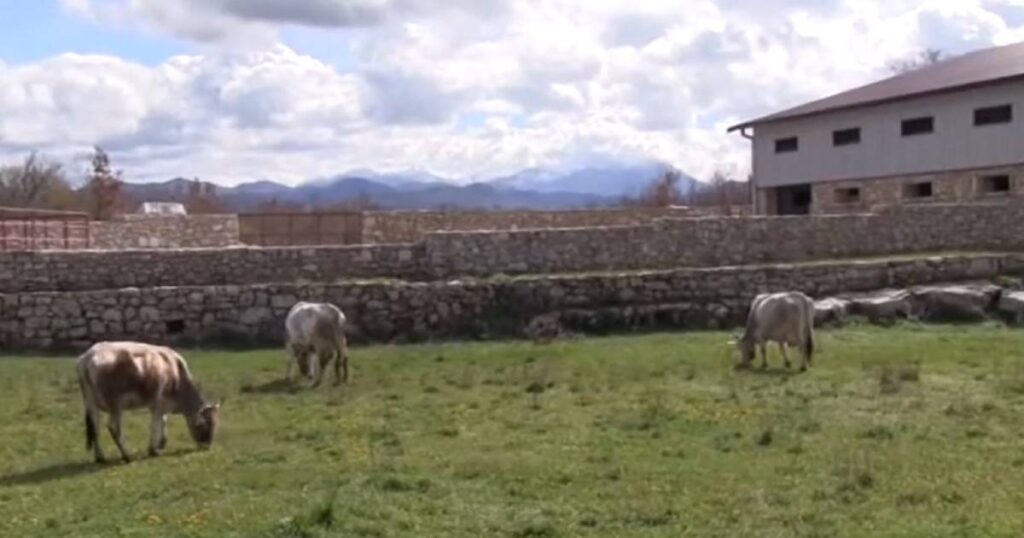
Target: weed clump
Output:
[(891, 378), (320, 517)]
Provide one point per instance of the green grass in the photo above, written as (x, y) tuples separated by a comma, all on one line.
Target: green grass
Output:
[(910, 431)]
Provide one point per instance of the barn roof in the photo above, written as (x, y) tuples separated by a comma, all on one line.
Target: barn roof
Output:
[(980, 68)]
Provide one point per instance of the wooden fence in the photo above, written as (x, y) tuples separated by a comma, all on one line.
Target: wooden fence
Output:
[(284, 229)]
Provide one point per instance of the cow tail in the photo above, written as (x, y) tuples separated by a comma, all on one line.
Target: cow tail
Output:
[(809, 333)]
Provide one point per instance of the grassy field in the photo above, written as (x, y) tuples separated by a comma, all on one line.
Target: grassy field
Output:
[(908, 431)]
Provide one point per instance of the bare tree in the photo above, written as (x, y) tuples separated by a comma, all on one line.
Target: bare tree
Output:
[(921, 59), (721, 191), (277, 206), (203, 198), (36, 183), (103, 187), (662, 192)]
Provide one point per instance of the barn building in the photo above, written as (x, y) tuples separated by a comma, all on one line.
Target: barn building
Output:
[(949, 132)]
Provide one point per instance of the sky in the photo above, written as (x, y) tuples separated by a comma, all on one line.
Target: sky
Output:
[(293, 90)]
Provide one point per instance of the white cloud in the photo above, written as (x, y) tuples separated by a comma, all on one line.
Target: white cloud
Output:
[(465, 88)]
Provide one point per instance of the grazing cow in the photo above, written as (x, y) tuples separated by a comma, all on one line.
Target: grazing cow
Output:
[(317, 328), (785, 318), (121, 376)]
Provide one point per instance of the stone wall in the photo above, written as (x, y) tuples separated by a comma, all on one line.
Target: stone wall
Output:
[(98, 269), (946, 187), (413, 226), (729, 241), (401, 311), (165, 231), (667, 243)]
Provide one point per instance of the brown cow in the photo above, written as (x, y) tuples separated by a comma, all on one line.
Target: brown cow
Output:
[(120, 376)]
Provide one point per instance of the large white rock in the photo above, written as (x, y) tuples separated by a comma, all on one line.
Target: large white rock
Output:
[(830, 310), (885, 306), (953, 303), (1011, 306)]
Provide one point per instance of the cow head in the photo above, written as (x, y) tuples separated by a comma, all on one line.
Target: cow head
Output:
[(203, 424), (745, 346)]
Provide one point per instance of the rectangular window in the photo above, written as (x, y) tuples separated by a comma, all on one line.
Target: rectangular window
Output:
[(918, 126), (917, 191), (846, 137), (994, 184), (848, 195), (993, 115), (787, 145)]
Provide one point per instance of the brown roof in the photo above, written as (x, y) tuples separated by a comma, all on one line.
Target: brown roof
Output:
[(979, 68)]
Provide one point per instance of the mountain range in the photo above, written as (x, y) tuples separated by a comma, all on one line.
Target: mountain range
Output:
[(534, 188)]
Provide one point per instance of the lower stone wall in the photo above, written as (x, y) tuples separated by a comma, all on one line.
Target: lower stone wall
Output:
[(165, 231), (401, 311), (946, 187)]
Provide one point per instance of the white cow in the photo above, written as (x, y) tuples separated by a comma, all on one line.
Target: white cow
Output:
[(317, 328), (120, 376), (786, 318)]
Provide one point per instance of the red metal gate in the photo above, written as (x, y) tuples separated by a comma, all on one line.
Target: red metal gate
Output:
[(33, 229), (294, 228)]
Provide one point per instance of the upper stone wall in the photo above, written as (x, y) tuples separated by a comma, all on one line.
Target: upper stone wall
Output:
[(165, 231), (667, 243), (412, 226), (98, 269)]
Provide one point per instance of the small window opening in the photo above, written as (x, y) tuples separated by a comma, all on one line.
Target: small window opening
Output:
[(846, 137), (994, 184), (787, 145), (917, 126), (848, 195), (918, 190), (993, 115), (176, 326)]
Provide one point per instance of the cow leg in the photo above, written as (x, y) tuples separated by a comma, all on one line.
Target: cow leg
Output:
[(319, 371), (157, 433), (785, 358), (325, 362), (114, 427), (337, 368), (342, 362), (764, 356), (93, 424), (294, 355)]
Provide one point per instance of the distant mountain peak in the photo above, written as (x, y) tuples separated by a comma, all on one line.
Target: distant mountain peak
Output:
[(531, 188)]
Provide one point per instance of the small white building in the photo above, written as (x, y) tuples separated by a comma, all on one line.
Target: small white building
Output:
[(162, 208), (949, 132)]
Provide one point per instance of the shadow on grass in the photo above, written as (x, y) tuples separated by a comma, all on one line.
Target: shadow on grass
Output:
[(770, 372), (61, 471), (277, 386)]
